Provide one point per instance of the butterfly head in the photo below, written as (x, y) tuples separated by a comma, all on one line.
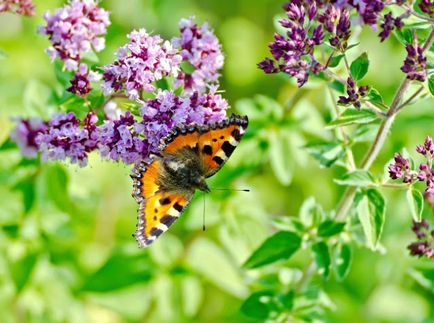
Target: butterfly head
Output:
[(202, 185)]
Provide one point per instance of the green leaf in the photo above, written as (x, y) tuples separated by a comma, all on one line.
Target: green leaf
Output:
[(326, 153), (375, 98), (134, 268), (322, 258), (329, 228), (415, 200), (359, 178), (52, 187), (371, 213), (27, 188), (353, 116), (377, 205), (335, 60), (257, 305), (404, 35), (62, 76), (287, 300), (365, 133), (338, 86), (75, 104), (431, 85), (342, 261), (22, 269), (311, 213), (281, 159), (187, 67), (359, 67), (281, 245), (364, 216), (192, 295)]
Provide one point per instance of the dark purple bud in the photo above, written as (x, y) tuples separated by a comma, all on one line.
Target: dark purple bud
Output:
[(311, 13), (421, 150), (427, 6), (268, 66), (415, 63)]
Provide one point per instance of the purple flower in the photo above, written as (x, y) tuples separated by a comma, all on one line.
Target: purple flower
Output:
[(202, 50), (424, 173), (353, 94), (308, 23), (25, 134), (268, 66), (415, 63), (65, 138), (400, 168), (427, 149), (427, 6), (389, 24), (118, 140), (141, 62), (80, 84), (77, 28), (21, 7), (425, 237)]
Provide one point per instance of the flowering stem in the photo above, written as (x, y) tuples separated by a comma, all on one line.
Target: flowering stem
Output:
[(380, 138), (370, 157)]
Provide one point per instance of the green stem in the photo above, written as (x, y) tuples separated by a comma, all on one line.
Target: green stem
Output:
[(370, 157)]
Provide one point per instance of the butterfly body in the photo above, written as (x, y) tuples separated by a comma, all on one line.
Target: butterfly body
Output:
[(164, 186)]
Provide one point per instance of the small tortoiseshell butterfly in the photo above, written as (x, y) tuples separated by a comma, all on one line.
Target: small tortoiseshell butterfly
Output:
[(189, 154)]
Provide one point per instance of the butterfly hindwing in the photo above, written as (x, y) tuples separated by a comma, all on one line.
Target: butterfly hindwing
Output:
[(218, 143), (157, 209), (157, 214), (144, 178)]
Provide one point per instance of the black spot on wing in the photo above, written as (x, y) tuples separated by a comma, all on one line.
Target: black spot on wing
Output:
[(218, 160), (168, 220), (164, 201), (207, 149), (236, 134), (178, 207), (156, 232), (228, 148)]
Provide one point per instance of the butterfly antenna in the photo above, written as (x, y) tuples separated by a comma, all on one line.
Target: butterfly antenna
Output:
[(230, 189), (203, 215)]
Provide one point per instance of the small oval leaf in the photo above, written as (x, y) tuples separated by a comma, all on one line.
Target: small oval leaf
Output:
[(281, 245)]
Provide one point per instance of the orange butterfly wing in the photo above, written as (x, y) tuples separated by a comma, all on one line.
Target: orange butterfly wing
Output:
[(157, 209), (215, 142)]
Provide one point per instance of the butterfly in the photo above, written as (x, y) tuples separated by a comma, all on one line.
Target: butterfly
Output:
[(189, 154)]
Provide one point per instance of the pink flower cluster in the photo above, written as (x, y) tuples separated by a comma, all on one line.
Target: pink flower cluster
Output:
[(401, 167), (141, 62), (200, 48), (76, 29), (21, 7)]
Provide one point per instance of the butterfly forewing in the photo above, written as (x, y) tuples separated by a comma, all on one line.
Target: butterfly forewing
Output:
[(217, 145)]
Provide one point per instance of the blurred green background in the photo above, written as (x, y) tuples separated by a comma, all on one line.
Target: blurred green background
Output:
[(66, 251)]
